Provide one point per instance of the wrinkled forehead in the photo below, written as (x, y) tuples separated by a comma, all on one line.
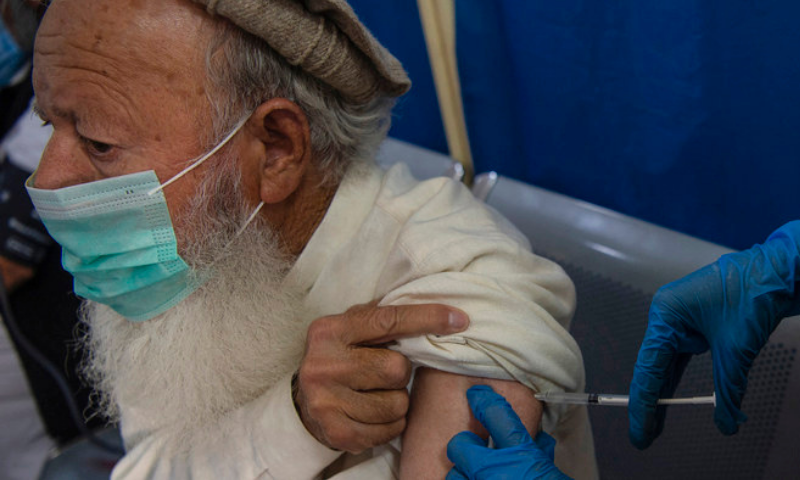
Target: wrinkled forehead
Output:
[(165, 37)]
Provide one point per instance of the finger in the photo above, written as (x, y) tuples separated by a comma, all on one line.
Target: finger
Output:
[(679, 364), (464, 448), (652, 374), (645, 390), (378, 369), (546, 443), (730, 383), (495, 413), (356, 368), (378, 406), (454, 474), (377, 325), (355, 437)]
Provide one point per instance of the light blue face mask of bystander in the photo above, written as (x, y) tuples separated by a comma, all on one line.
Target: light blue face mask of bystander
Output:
[(118, 240)]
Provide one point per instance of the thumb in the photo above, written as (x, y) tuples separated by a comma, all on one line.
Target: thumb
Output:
[(495, 413), (730, 383), (454, 474), (546, 443), (462, 449)]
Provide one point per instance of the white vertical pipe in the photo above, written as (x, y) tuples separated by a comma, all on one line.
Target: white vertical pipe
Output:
[(438, 23)]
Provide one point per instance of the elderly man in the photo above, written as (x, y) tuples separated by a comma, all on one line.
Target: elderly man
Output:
[(210, 178)]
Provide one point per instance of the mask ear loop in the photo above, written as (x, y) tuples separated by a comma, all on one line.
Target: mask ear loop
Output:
[(201, 159), (241, 229), (250, 218)]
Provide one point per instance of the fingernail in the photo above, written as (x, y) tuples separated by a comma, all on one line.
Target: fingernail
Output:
[(458, 320)]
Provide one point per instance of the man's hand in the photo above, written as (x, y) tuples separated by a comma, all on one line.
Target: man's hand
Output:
[(351, 390), (516, 455), (730, 307)]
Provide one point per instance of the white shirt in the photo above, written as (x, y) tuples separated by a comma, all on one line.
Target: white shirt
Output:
[(391, 238)]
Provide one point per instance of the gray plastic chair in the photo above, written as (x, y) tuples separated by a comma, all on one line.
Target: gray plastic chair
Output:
[(617, 263), (84, 460), (423, 163)]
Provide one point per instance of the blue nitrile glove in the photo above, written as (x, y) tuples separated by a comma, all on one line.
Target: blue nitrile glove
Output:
[(515, 456), (731, 307)]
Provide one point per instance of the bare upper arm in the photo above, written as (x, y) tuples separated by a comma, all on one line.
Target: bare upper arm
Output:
[(439, 410)]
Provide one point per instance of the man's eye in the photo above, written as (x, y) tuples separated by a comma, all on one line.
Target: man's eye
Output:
[(97, 148), (100, 147)]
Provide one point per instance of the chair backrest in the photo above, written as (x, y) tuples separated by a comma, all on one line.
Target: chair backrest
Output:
[(617, 263), (83, 459), (423, 163)]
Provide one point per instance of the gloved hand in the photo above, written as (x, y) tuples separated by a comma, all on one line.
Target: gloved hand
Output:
[(515, 456), (731, 307)]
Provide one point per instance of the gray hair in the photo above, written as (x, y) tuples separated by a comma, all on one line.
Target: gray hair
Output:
[(243, 72)]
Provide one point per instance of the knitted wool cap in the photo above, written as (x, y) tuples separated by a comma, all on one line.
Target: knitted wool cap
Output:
[(325, 39)]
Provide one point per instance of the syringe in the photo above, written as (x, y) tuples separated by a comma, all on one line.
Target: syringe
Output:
[(616, 400)]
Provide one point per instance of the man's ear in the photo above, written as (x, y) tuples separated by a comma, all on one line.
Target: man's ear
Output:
[(283, 148)]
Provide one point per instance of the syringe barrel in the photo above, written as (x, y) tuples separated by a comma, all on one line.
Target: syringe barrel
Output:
[(613, 400), (563, 397)]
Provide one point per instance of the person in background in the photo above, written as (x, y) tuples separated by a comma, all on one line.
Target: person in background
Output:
[(29, 397), (34, 412), (18, 22), (730, 307)]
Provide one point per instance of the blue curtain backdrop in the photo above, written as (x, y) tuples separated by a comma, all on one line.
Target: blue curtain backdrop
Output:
[(396, 24), (684, 113)]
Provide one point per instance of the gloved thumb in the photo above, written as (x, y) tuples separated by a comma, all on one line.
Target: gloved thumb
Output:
[(461, 449), (546, 444), (730, 383), (454, 474), (499, 418)]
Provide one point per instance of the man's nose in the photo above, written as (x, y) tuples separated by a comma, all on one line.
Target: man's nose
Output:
[(60, 166)]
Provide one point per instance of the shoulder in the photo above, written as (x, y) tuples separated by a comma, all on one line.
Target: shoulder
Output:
[(442, 217)]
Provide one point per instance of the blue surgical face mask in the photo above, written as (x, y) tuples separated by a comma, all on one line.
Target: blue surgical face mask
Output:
[(11, 56), (118, 240)]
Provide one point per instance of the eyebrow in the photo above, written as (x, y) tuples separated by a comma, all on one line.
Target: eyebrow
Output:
[(35, 108), (56, 111)]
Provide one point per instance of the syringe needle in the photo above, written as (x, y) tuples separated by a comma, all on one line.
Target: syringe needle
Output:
[(616, 400)]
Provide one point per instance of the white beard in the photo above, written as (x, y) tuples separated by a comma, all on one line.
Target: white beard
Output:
[(223, 346)]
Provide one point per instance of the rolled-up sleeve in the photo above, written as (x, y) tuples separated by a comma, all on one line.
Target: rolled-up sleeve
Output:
[(519, 304)]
